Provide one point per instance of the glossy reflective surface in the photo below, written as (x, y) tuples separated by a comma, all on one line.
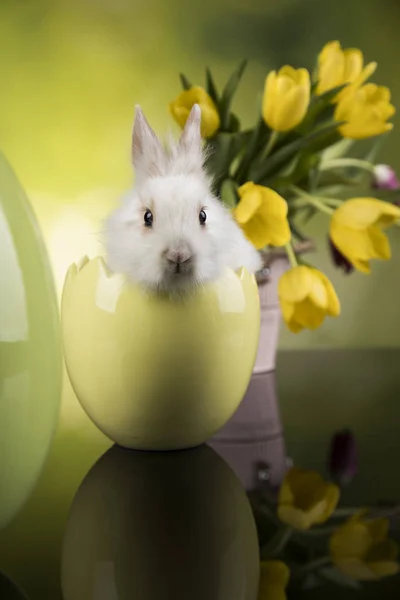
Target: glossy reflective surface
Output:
[(30, 348), (108, 515), (157, 525), (152, 372)]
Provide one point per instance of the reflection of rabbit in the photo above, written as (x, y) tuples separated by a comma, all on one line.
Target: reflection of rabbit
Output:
[(171, 233)]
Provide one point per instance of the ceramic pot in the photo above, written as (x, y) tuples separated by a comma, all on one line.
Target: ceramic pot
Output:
[(30, 348), (160, 525), (252, 441), (152, 372)]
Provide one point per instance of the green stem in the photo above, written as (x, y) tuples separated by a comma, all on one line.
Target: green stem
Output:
[(313, 565), (270, 144), (275, 546), (340, 163), (317, 202), (291, 255)]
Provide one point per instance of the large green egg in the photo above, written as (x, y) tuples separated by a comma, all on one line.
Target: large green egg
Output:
[(160, 525), (30, 349)]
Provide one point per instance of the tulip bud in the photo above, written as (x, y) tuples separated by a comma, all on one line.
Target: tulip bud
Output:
[(343, 461), (385, 178), (339, 260)]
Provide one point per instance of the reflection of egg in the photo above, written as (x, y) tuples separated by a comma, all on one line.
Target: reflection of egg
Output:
[(160, 525), (8, 589)]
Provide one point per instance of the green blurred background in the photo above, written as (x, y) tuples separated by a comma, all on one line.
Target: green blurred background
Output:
[(73, 71)]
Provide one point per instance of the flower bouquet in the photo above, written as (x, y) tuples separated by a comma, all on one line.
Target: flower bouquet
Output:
[(312, 149), (307, 541)]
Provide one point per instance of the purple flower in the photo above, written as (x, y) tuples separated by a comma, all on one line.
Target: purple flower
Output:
[(338, 258), (342, 461), (385, 178)]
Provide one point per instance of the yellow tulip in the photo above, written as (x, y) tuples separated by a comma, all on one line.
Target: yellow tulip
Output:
[(356, 230), (182, 105), (337, 67), (274, 577), (362, 550), (306, 296), (305, 499), (286, 98), (366, 111), (262, 214)]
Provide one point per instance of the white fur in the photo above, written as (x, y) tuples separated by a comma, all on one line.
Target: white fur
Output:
[(174, 186)]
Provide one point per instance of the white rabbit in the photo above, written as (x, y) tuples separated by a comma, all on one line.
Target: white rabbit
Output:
[(171, 233)]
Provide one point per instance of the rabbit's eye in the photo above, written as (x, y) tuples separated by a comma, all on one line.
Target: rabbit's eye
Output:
[(202, 217), (148, 218)]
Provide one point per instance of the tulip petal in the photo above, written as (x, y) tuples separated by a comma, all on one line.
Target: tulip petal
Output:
[(318, 294), (332, 496), (269, 98), (385, 550), (353, 64), (350, 540), (180, 109), (294, 517), (275, 572), (378, 529), (383, 568), (308, 315), (333, 306), (380, 243), (249, 203), (292, 109), (359, 213), (295, 284), (256, 232), (356, 569)]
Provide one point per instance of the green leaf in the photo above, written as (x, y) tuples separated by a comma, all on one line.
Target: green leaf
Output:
[(314, 141), (185, 82), (336, 576), (256, 141), (296, 232), (211, 87), (229, 193), (309, 212), (218, 163), (320, 107), (234, 123), (328, 96), (229, 92)]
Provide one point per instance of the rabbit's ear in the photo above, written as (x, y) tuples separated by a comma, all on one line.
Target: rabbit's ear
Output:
[(190, 147), (147, 153), (191, 137)]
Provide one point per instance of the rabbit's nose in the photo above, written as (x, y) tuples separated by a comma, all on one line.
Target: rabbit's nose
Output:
[(178, 257)]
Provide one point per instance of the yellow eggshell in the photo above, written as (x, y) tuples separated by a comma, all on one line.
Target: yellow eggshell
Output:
[(154, 372)]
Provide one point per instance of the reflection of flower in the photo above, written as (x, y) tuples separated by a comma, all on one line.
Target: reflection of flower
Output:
[(338, 258), (343, 457), (385, 178), (274, 577), (306, 296), (286, 98), (356, 230), (366, 111), (262, 214), (362, 550), (305, 499), (182, 105), (337, 67)]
